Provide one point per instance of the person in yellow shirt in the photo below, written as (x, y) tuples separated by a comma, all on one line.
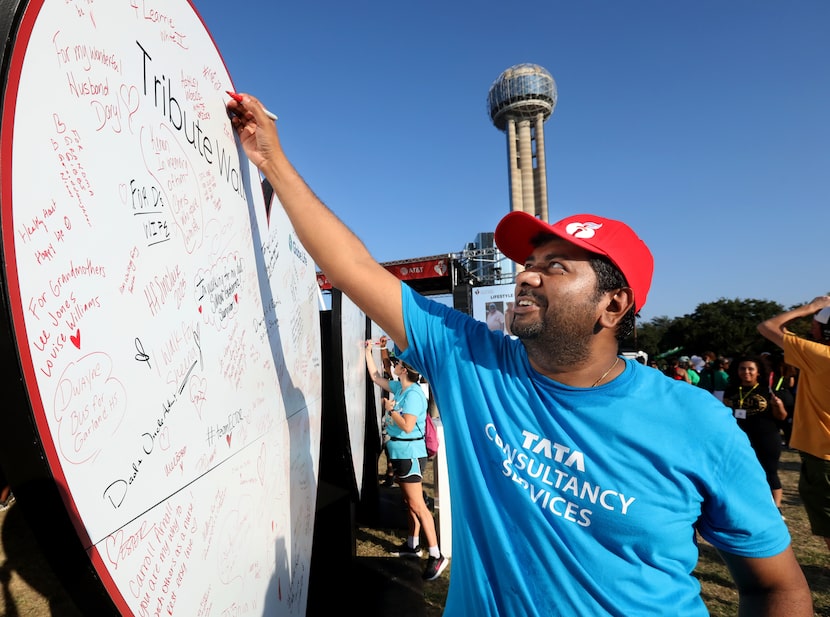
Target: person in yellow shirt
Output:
[(811, 419)]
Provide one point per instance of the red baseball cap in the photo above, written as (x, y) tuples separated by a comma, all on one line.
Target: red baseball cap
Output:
[(613, 239)]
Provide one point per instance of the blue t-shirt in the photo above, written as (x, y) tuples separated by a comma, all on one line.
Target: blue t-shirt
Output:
[(581, 501), (411, 401)]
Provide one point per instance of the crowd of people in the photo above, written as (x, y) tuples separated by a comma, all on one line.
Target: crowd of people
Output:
[(780, 400), (759, 392)]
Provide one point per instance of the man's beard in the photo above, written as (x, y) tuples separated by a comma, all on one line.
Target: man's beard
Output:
[(562, 338)]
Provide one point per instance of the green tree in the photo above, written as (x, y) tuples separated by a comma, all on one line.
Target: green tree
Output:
[(727, 327), (648, 336)]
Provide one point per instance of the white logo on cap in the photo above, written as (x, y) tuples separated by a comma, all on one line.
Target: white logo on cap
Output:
[(582, 230)]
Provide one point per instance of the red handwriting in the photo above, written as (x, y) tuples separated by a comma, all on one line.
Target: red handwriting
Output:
[(168, 30), (175, 462), (88, 406), (68, 149), (128, 282)]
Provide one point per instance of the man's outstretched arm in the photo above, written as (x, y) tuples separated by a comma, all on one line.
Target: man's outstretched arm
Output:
[(334, 247), (774, 328), (770, 586)]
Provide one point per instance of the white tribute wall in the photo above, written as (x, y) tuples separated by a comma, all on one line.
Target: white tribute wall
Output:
[(377, 392), (168, 333), (355, 381)]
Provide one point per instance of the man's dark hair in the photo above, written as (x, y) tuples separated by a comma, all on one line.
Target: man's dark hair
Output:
[(610, 278)]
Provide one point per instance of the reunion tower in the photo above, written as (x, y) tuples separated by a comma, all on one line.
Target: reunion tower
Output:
[(519, 102)]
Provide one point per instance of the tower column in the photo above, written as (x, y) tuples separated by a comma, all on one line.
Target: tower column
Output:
[(541, 173), (513, 166), (526, 167)]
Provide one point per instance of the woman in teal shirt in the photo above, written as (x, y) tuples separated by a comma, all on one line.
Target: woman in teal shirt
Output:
[(405, 417)]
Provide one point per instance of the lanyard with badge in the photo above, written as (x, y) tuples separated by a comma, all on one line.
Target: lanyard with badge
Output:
[(740, 412)]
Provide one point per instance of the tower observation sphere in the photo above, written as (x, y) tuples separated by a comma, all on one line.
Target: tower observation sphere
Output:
[(519, 102)]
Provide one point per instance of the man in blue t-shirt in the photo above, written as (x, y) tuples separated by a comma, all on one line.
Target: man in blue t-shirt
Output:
[(580, 479)]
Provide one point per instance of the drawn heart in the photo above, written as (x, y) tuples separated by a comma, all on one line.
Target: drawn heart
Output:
[(164, 439), (127, 96), (76, 338), (200, 308), (228, 439), (113, 546), (198, 387)]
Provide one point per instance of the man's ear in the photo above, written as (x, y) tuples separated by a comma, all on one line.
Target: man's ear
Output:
[(617, 304)]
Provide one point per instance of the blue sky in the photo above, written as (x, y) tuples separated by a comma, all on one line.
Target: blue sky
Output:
[(704, 125)]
